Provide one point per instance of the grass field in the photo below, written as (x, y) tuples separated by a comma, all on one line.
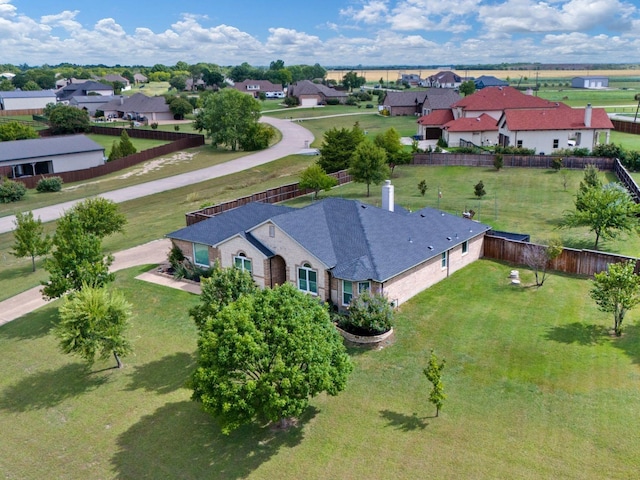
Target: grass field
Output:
[(536, 389)]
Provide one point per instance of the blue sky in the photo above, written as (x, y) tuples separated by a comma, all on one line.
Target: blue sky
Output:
[(329, 32)]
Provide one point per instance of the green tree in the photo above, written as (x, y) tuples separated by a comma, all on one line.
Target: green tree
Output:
[(126, 147), (316, 179), (29, 237), (589, 180), (556, 163), (257, 137), (607, 211), (212, 77), (433, 372), (467, 88), (390, 141), (498, 161), (180, 107), (227, 116), (76, 259), (351, 80), (99, 216), (11, 191), (479, 190), (114, 153), (616, 291), (179, 82), (6, 85), (31, 86), (265, 355), (369, 165), (64, 119), (92, 324), (16, 131), (422, 187), (224, 286), (338, 147)]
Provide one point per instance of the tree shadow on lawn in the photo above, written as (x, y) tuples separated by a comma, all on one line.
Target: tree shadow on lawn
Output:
[(629, 342), (49, 388), (179, 440), (578, 332), (32, 325), (406, 423), (164, 375)]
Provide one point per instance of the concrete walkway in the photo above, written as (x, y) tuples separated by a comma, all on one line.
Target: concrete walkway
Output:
[(295, 139), (149, 253)]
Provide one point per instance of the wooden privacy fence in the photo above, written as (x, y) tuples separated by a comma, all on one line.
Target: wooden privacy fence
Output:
[(272, 195), (179, 141), (626, 126), (573, 261), (627, 180), (528, 161)]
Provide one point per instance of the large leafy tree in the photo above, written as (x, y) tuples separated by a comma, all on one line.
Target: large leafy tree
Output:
[(29, 237), (351, 80), (180, 107), (316, 179), (467, 88), (390, 141), (265, 355), (228, 116), (92, 324), (616, 291), (607, 211), (65, 119), (338, 147), (99, 216), (369, 165)]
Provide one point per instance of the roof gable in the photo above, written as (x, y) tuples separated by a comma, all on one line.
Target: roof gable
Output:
[(483, 123), (437, 118)]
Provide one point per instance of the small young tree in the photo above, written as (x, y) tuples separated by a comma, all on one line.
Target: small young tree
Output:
[(422, 187), (125, 146), (498, 161), (479, 190), (556, 163), (316, 179), (29, 239), (616, 291), (433, 372), (369, 165), (114, 154), (92, 324), (538, 257)]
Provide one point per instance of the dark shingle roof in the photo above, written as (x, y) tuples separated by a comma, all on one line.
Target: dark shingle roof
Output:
[(28, 94), (47, 147), (139, 103), (307, 87), (227, 224)]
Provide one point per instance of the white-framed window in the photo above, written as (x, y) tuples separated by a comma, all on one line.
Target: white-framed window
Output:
[(347, 292), (465, 247), (242, 262), (201, 254), (443, 261), (307, 279)]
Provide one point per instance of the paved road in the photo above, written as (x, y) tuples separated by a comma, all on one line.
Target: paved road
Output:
[(295, 138)]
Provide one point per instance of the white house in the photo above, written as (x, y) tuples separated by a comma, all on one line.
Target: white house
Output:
[(546, 130), (49, 155), (26, 100)]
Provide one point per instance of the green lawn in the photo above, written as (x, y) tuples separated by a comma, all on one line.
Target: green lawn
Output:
[(536, 389), (141, 144)]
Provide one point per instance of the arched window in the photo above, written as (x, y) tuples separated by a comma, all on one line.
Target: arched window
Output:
[(242, 262), (307, 279)]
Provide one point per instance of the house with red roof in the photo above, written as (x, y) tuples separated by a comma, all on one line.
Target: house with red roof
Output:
[(481, 131), (546, 130)]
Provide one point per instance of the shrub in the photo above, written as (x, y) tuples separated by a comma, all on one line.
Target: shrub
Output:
[(176, 128), (333, 101), (369, 105), (369, 314), (291, 101), (154, 125), (556, 163), (11, 191), (498, 161), (351, 100), (49, 184)]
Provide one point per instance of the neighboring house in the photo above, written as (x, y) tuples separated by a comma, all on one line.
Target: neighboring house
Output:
[(418, 102), (26, 100), (140, 78), (118, 78), (590, 82), (83, 89), (481, 131), (310, 94), (336, 248), (7, 75), (431, 126), (255, 87), (555, 128), (138, 107), (489, 81), (410, 78), (444, 79), (49, 155), (90, 103), (199, 84)]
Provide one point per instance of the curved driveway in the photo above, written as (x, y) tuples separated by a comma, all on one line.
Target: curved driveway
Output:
[(294, 139)]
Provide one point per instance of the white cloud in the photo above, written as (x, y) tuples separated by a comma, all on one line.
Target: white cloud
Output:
[(372, 12)]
